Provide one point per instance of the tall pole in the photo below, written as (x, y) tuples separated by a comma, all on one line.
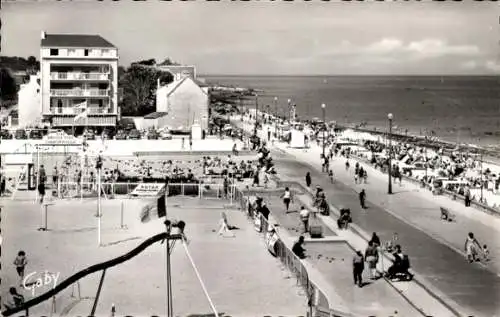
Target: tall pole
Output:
[(276, 116), (323, 108), (481, 173), (256, 116), (389, 189), (99, 207), (425, 165), (289, 111)]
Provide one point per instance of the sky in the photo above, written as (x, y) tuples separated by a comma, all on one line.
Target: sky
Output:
[(276, 38)]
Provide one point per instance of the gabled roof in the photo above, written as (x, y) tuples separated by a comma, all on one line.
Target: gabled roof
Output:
[(155, 115), (74, 40), (176, 84)]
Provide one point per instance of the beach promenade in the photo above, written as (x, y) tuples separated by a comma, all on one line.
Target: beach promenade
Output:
[(435, 247)]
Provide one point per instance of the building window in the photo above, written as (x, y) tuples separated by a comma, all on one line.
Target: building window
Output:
[(71, 52), (86, 52), (54, 52), (105, 52)]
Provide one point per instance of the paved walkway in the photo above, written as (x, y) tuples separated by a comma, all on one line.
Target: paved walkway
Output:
[(433, 255), (333, 260), (240, 275)]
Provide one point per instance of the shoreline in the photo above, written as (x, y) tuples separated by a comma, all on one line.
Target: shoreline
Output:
[(432, 142)]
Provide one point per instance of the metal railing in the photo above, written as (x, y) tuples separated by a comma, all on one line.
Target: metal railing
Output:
[(79, 76), (317, 301), (73, 189), (75, 111), (80, 92)]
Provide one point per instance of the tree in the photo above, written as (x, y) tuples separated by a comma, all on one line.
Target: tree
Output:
[(168, 62), (32, 65), (8, 88), (147, 62), (139, 89)]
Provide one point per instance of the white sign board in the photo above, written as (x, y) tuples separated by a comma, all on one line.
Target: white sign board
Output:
[(149, 190), (297, 139), (18, 159)]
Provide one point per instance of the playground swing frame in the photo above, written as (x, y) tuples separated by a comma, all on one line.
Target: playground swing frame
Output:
[(39, 148)]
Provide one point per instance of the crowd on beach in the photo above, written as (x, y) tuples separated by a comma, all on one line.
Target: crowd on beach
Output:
[(457, 171)]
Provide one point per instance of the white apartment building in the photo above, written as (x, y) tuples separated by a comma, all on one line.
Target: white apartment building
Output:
[(78, 73)]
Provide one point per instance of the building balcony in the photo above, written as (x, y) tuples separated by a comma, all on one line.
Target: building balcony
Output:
[(69, 76), (80, 92), (75, 111)]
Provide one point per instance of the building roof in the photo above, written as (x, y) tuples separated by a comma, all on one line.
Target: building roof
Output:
[(177, 83), (74, 40), (155, 115)]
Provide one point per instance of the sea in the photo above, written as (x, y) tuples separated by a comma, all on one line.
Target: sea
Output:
[(461, 109)]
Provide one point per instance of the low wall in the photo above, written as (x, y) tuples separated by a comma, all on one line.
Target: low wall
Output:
[(129, 147)]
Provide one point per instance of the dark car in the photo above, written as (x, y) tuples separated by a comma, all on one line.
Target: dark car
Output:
[(89, 135), (21, 134), (5, 134), (121, 135), (153, 135), (36, 135), (134, 135)]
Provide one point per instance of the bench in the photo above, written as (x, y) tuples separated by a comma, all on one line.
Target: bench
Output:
[(447, 215)]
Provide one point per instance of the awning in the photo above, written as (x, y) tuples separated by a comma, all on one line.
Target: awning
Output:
[(90, 121)]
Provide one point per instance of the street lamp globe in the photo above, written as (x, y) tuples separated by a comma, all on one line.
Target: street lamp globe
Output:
[(323, 106), (289, 100), (275, 98), (390, 116)]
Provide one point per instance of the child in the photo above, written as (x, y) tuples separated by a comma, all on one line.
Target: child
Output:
[(486, 253), (20, 263)]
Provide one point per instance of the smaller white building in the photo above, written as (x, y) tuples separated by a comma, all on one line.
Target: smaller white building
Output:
[(30, 111), (185, 102)]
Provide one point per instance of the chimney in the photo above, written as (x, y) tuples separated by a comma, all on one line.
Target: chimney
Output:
[(43, 35)]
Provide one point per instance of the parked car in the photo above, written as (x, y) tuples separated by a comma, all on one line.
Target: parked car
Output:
[(36, 134), (153, 135), (134, 135), (121, 135), (165, 135), (89, 135), (5, 134), (21, 134)]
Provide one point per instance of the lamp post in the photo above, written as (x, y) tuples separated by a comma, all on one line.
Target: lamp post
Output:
[(323, 108), (256, 115), (289, 110), (481, 174), (276, 116), (389, 189)]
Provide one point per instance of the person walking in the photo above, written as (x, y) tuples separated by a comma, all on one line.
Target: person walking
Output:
[(357, 268), (362, 199), (304, 217), (371, 256), (347, 165), (330, 174), (472, 248), (20, 262), (287, 197), (375, 239), (467, 196), (308, 179)]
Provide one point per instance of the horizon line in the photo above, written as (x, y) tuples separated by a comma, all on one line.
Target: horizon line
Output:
[(346, 75)]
